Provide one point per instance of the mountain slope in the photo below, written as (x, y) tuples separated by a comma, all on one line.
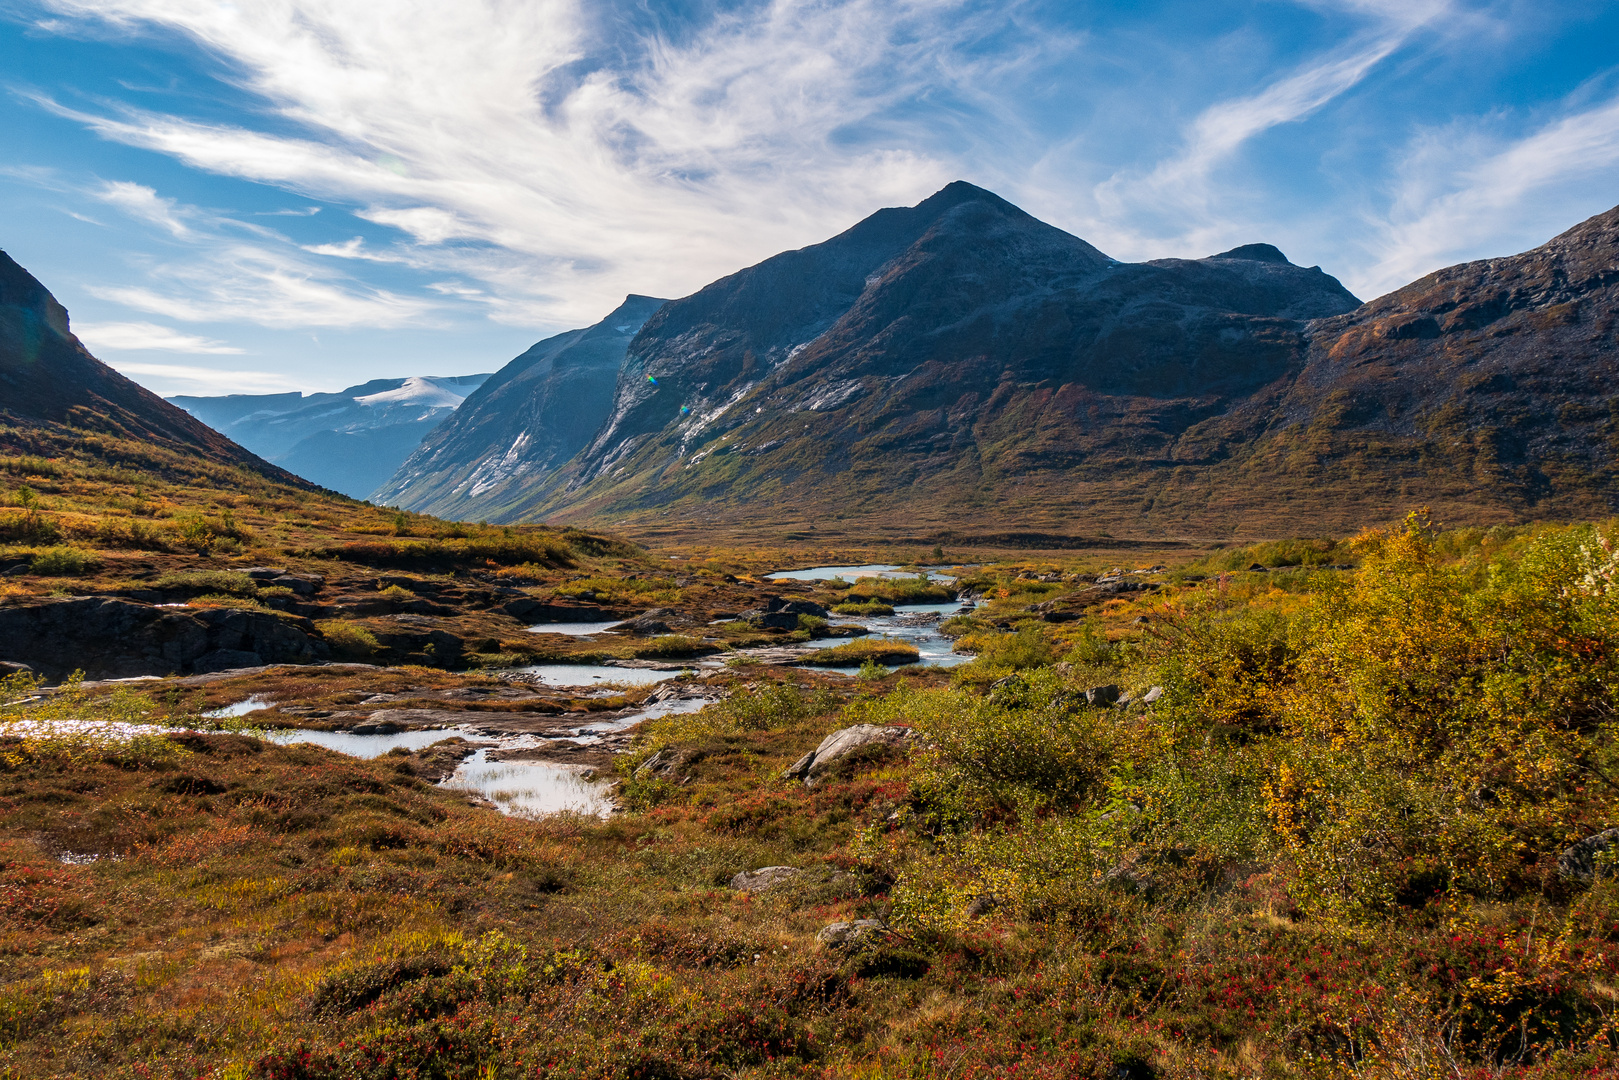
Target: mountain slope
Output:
[(524, 421), (51, 388), (1486, 390), (959, 366), (895, 368), (350, 441)]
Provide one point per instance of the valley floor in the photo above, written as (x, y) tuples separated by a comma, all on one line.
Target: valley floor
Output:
[(1306, 808)]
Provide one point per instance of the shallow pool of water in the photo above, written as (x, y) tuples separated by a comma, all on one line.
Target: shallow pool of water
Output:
[(932, 647), (365, 746), (851, 573), (673, 707), (573, 629), (531, 788), (241, 708), (595, 674)]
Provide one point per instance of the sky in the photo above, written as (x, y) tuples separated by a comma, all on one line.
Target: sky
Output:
[(278, 195)]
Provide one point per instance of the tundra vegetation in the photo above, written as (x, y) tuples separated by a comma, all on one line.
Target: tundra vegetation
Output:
[(1331, 846)]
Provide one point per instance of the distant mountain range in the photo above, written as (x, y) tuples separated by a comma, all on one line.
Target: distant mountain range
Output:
[(961, 366), (351, 441), (54, 393), (950, 369)]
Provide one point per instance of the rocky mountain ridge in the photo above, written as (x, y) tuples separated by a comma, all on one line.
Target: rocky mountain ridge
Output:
[(895, 366)]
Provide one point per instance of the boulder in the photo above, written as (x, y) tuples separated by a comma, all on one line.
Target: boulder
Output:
[(1579, 861), (262, 574), (530, 610), (780, 614), (842, 743), (649, 623), (766, 877), (841, 935), (110, 637), (1102, 695), (1127, 699), (669, 764), (302, 584)]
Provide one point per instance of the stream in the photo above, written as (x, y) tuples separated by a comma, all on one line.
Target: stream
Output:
[(531, 788)]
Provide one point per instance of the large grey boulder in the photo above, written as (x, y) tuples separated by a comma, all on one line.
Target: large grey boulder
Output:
[(1578, 862), (841, 744)]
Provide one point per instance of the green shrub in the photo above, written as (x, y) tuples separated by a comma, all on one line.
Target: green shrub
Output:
[(868, 609), (675, 645), (1027, 647), (62, 560), (348, 638), (870, 671), (860, 650), (207, 581)]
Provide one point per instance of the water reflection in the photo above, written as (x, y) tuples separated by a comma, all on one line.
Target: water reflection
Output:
[(532, 788), (241, 708), (932, 647), (594, 674), (574, 629), (852, 573), (365, 746)]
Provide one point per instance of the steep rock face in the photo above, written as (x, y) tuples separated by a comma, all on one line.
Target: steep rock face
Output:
[(933, 355), (48, 378), (350, 441), (524, 421), (107, 637)]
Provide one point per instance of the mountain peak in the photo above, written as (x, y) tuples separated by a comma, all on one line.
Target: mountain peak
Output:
[(1254, 253), (27, 299)]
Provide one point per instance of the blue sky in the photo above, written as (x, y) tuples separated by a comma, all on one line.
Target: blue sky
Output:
[(305, 194)]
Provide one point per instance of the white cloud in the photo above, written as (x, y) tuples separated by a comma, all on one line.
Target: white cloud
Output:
[(185, 379), (144, 335), (237, 282), (142, 202), (473, 122), (1460, 186)]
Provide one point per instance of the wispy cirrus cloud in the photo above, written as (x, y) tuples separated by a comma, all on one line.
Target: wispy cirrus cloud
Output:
[(203, 380), (1180, 200), (125, 336), (501, 126), (1459, 184)]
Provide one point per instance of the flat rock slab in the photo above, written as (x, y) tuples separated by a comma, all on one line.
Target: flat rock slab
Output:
[(766, 877), (841, 935)]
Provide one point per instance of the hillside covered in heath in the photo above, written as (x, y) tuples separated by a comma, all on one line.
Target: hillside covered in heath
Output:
[(52, 390), (958, 364)]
